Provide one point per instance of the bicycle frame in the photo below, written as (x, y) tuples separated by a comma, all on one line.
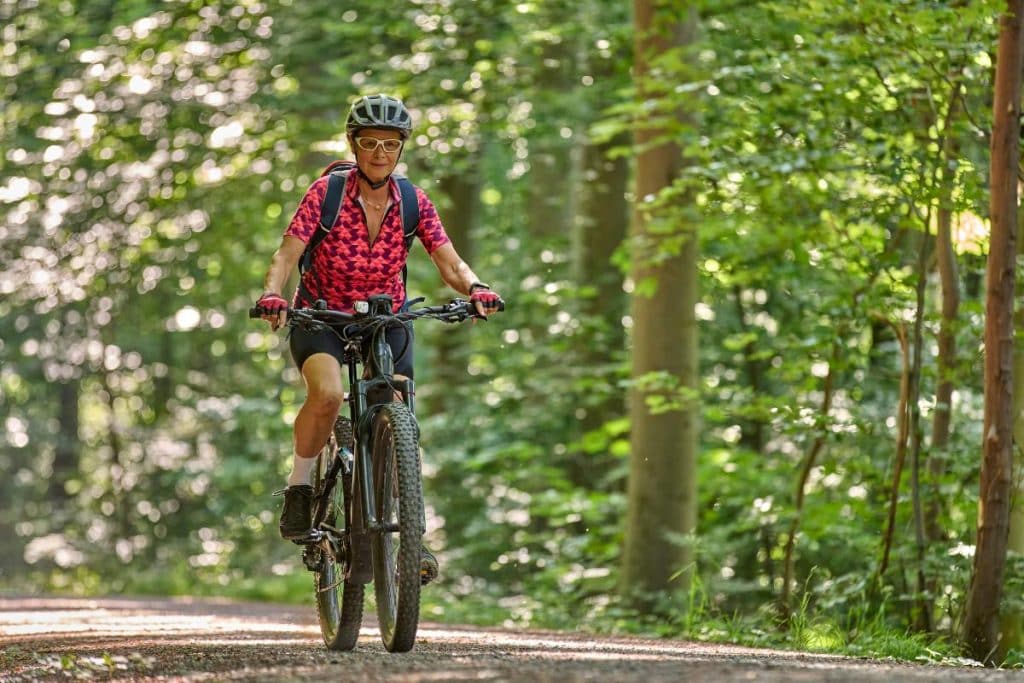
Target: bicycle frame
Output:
[(362, 410), (364, 551)]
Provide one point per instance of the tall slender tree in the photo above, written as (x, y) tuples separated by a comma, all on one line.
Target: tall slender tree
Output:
[(663, 452), (600, 224), (599, 229), (946, 266), (1011, 621), (981, 620), (460, 190)]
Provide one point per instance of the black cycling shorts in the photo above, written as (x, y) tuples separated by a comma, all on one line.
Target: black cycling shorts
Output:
[(304, 344)]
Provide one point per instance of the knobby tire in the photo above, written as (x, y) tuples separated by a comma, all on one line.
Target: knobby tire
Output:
[(396, 555), (339, 602)]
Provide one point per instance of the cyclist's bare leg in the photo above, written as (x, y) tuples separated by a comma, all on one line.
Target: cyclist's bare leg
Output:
[(324, 395), (398, 394)]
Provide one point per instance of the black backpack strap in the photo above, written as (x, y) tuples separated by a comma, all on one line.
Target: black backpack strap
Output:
[(410, 209), (410, 218), (331, 205), (329, 209)]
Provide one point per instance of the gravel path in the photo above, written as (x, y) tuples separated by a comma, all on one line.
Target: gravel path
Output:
[(193, 640)]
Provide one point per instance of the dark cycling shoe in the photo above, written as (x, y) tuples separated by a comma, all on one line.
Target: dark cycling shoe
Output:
[(428, 566), (296, 515)]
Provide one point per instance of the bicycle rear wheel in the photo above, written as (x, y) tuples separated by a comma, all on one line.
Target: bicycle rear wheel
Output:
[(396, 555), (339, 603)]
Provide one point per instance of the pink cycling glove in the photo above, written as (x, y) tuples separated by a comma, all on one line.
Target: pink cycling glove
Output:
[(490, 301), (271, 303)]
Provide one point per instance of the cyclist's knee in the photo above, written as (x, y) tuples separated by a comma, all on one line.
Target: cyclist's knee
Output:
[(324, 400), (324, 390)]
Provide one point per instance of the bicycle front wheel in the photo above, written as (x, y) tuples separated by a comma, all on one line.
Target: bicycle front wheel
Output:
[(396, 554), (339, 602)]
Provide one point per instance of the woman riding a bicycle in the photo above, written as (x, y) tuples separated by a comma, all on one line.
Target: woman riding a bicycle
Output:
[(363, 254)]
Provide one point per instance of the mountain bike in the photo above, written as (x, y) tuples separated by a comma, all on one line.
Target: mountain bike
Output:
[(370, 528)]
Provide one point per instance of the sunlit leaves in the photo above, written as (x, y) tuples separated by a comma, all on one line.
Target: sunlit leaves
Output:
[(103, 221), (152, 153)]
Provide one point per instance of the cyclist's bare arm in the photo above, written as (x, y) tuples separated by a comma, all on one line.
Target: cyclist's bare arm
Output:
[(282, 264), (455, 272), (284, 261)]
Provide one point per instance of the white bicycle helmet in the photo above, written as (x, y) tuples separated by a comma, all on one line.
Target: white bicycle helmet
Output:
[(379, 111)]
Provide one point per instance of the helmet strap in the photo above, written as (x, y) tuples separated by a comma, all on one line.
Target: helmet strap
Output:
[(373, 185)]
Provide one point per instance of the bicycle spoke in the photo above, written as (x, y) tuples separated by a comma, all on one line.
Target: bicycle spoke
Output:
[(339, 602)]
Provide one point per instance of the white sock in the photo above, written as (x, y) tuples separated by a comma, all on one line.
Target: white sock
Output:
[(302, 470)]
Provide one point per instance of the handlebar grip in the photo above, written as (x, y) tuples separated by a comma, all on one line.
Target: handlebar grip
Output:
[(471, 311), (255, 313)]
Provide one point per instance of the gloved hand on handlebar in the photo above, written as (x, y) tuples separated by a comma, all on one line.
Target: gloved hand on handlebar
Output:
[(273, 308), (486, 300)]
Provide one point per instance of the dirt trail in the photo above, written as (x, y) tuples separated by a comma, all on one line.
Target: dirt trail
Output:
[(193, 640)]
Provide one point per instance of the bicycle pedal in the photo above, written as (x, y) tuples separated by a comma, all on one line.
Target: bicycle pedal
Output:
[(429, 570)]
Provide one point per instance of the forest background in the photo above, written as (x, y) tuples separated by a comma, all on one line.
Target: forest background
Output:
[(824, 210)]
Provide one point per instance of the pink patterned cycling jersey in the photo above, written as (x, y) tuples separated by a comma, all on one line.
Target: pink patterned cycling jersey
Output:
[(346, 268)]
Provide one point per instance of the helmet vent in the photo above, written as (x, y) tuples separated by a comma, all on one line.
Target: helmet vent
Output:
[(379, 111)]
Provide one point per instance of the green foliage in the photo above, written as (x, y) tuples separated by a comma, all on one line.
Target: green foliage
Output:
[(154, 151)]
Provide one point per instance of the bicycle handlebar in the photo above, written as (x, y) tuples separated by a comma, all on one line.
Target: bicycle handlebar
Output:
[(455, 311)]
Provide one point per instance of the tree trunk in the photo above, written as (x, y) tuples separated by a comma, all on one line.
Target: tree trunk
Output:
[(461, 193), (949, 282), (548, 210), (902, 438), (662, 485), (1012, 622), (950, 287), (598, 231), (116, 493), (600, 225), (65, 456), (923, 616), (981, 619), (754, 430), (549, 207), (941, 421), (809, 461), (164, 383)]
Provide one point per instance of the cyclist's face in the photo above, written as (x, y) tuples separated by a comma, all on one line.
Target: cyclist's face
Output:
[(376, 162)]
